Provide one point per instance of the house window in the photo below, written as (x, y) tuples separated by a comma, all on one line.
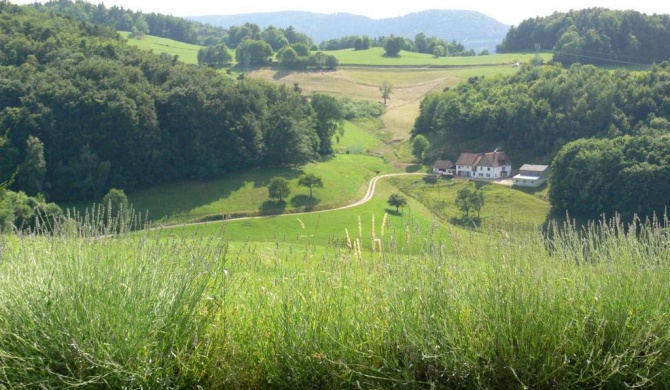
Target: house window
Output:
[(488, 175), (488, 169)]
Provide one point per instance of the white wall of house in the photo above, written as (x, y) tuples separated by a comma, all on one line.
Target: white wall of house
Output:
[(529, 181), (487, 172)]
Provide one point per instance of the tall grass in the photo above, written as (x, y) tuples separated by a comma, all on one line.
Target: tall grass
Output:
[(580, 308), (80, 307)]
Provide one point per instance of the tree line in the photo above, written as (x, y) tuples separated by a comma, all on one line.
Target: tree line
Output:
[(393, 44), (107, 115), (594, 36)]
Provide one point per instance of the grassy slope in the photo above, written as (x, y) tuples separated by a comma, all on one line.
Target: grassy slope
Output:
[(187, 53), (345, 176)]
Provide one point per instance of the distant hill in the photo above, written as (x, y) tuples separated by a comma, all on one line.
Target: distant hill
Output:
[(473, 29)]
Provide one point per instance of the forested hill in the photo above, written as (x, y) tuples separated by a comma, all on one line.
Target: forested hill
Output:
[(595, 35), (85, 112), (473, 29), (540, 109)]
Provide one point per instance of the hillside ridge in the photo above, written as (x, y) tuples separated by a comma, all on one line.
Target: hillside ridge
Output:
[(473, 29)]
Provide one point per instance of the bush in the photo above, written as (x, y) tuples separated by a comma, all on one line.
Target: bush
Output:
[(358, 108)]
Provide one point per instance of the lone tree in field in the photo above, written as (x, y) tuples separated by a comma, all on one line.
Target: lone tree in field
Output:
[(279, 188), (393, 45), (310, 180), (386, 90), (397, 201)]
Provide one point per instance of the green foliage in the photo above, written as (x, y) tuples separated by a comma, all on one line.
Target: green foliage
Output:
[(33, 169), (115, 201), (253, 52), (355, 42), (138, 23), (624, 175), (397, 200), (419, 146), (279, 188), (360, 109), (5, 184), (146, 119), (539, 109), (310, 181), (594, 36), (298, 56), (468, 199), (216, 56), (386, 89), (393, 45), (22, 212), (328, 121)]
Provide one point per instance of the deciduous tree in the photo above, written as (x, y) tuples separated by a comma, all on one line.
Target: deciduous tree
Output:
[(393, 45), (310, 181), (386, 89), (33, 168), (419, 146), (279, 188), (328, 121), (396, 200)]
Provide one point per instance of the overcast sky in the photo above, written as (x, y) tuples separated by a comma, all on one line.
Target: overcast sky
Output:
[(510, 12)]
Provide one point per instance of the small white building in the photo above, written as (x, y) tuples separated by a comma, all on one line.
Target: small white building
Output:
[(444, 167), (493, 165), (531, 175)]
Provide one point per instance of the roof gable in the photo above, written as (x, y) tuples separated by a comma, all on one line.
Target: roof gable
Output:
[(468, 159)]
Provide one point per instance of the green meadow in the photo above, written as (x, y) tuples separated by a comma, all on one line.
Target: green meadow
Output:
[(224, 288), (375, 57), (187, 53)]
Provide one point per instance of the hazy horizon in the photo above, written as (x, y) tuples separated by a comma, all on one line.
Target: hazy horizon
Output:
[(511, 12)]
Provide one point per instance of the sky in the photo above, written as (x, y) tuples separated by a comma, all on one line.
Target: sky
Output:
[(510, 12)]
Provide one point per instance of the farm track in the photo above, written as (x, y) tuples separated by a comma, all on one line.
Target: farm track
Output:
[(372, 185)]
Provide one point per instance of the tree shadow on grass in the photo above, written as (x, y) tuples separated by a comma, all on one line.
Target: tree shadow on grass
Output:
[(393, 212), (270, 207), (413, 168), (304, 202), (469, 222)]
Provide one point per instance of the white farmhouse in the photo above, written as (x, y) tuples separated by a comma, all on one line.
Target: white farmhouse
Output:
[(531, 175), (493, 165)]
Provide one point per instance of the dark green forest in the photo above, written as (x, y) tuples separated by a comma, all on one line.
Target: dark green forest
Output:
[(592, 178), (108, 115), (541, 108), (594, 36)]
